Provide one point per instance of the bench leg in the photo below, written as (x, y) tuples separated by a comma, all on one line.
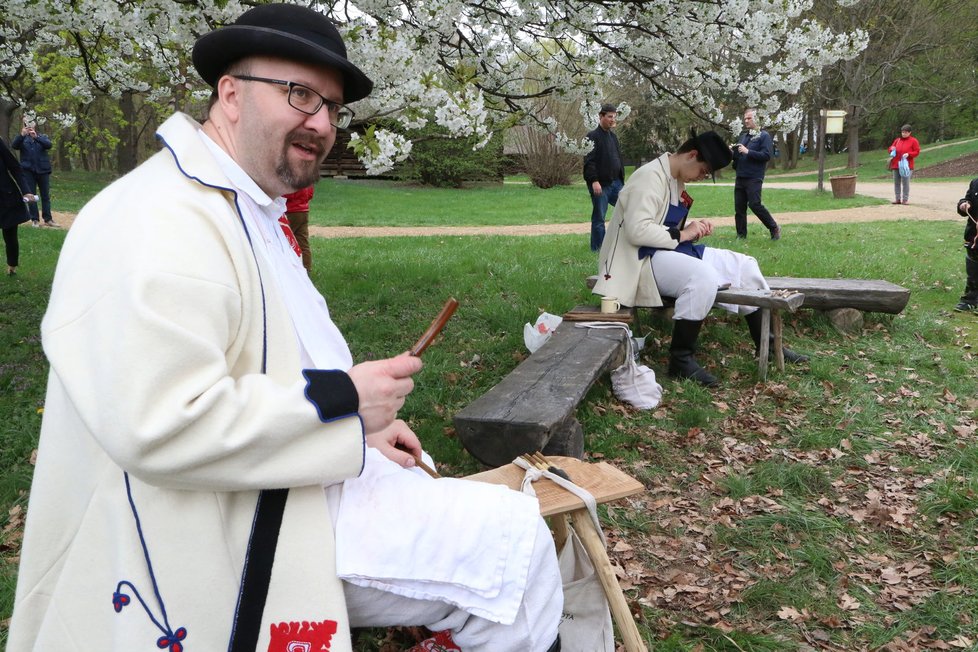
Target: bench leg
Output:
[(776, 324), (558, 527), (764, 348), (620, 612)]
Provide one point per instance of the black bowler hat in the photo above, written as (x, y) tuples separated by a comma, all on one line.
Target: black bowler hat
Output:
[(280, 30), (713, 150)]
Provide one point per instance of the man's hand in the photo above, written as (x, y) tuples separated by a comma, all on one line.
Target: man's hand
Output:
[(397, 442), (596, 188), (382, 386), (742, 149), (696, 230)]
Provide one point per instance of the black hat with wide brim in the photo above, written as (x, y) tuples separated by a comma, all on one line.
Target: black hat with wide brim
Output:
[(713, 149), (280, 30)]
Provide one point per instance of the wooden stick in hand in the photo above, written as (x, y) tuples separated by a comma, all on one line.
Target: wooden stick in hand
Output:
[(446, 313)]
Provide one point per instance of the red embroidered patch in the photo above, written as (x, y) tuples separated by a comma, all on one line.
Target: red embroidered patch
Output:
[(287, 230), (302, 637)]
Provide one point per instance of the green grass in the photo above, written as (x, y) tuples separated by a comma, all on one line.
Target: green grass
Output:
[(71, 190), (793, 493), (388, 203)]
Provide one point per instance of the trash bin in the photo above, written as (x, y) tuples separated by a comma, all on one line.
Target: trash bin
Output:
[(843, 186)]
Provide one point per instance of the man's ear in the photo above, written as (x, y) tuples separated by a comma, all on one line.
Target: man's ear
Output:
[(229, 97)]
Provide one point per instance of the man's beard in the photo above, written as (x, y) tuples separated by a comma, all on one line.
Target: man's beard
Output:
[(294, 178), (297, 176)]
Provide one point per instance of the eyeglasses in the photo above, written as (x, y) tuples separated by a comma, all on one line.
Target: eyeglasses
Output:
[(302, 98)]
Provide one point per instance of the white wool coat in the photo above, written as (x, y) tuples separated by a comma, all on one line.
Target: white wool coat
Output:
[(157, 328), (637, 222)]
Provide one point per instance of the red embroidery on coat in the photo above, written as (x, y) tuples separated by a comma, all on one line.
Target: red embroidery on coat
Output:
[(302, 637), (287, 230)]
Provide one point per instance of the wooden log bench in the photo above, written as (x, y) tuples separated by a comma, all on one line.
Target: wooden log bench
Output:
[(867, 295), (533, 408)]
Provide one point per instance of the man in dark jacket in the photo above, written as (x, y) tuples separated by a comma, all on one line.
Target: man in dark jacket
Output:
[(37, 168), (968, 208), (604, 172), (750, 154), (13, 195)]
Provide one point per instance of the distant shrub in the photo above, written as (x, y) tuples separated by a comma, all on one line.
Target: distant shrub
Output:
[(439, 160)]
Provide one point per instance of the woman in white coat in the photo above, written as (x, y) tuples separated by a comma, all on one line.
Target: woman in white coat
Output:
[(651, 250)]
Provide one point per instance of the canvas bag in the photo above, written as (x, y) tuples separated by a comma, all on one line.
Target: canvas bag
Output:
[(585, 623), (632, 383)]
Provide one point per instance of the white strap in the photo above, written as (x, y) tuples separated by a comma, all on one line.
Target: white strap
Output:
[(613, 325), (533, 474)]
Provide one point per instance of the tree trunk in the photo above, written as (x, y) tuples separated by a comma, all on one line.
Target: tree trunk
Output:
[(64, 158), (126, 149), (791, 147), (7, 109), (854, 119), (810, 131)]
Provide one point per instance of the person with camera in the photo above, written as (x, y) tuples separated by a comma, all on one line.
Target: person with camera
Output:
[(33, 147), (751, 153)]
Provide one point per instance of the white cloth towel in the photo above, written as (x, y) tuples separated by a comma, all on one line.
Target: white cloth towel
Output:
[(405, 533), (737, 269)]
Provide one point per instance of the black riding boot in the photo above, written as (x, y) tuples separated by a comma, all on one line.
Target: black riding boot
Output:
[(969, 300), (754, 325), (682, 364)]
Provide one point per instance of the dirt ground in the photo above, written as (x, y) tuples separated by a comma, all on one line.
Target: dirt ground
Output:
[(964, 166)]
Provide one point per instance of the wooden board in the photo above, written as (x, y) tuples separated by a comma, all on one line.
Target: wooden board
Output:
[(604, 481), (593, 313), (761, 299), (533, 408)]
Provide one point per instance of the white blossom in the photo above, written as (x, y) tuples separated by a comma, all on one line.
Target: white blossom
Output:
[(471, 67)]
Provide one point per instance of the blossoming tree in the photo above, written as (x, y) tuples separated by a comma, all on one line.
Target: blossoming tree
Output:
[(469, 66)]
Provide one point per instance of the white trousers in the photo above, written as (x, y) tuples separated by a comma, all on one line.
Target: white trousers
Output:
[(693, 282), (534, 630)]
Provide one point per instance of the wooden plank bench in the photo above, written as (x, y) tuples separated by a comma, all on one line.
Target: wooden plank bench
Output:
[(533, 407)]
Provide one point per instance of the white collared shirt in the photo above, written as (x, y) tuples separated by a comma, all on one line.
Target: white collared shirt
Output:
[(321, 344)]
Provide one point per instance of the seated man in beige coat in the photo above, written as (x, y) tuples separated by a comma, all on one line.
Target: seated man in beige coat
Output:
[(651, 250), (214, 472)]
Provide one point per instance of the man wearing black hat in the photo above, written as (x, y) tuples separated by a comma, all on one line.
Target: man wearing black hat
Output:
[(604, 172), (213, 470), (651, 251)]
